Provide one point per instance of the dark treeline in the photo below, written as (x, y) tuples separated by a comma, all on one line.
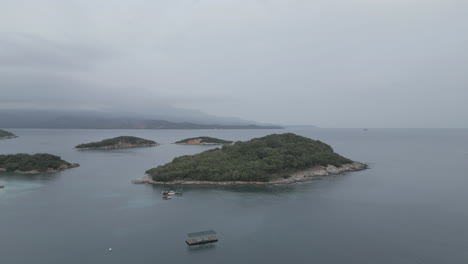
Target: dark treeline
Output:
[(27, 162)]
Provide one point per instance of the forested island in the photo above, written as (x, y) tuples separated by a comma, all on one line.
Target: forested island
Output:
[(5, 134), (32, 164), (119, 142), (203, 141), (273, 159)]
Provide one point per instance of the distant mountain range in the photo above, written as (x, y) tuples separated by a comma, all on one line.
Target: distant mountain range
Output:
[(129, 123), (94, 120)]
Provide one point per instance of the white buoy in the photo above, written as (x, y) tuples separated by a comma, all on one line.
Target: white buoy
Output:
[(110, 249)]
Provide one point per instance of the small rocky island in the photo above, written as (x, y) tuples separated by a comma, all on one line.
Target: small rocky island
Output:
[(203, 141), (119, 142), (5, 134), (33, 164), (273, 159)]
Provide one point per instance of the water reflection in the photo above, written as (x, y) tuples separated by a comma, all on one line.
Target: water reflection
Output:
[(263, 189), (399, 209), (196, 248), (18, 177), (18, 185)]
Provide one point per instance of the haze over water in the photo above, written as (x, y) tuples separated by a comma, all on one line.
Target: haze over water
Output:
[(409, 207)]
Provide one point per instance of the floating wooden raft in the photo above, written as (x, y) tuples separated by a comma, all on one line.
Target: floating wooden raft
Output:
[(199, 238)]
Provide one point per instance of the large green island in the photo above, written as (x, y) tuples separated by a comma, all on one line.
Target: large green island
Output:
[(33, 164), (273, 159), (119, 142), (5, 134), (203, 141)]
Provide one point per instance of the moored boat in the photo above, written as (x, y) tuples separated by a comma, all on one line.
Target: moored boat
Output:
[(171, 193)]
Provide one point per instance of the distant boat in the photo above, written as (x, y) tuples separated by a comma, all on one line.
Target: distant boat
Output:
[(167, 197), (365, 129), (2, 186)]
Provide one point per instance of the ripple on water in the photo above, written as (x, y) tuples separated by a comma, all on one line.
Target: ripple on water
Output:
[(141, 203), (16, 189)]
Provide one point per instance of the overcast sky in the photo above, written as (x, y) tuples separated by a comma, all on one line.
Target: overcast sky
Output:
[(331, 63)]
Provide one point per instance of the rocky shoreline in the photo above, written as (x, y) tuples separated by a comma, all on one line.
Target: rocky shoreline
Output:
[(200, 144), (49, 170), (8, 137), (299, 176), (120, 146)]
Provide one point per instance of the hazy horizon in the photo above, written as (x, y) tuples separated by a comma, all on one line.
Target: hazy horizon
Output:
[(328, 63)]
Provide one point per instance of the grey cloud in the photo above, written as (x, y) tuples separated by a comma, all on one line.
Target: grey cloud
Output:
[(354, 63), (51, 89), (20, 51)]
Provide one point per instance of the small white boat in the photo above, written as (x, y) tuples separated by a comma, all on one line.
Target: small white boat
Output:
[(170, 193)]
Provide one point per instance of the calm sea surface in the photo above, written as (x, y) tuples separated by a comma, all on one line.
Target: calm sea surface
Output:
[(410, 207)]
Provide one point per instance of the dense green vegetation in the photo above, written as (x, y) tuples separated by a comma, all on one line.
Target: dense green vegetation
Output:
[(27, 162), (4, 133), (123, 141), (205, 140), (260, 159)]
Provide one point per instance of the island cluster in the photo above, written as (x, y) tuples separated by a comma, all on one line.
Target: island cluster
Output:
[(272, 159)]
